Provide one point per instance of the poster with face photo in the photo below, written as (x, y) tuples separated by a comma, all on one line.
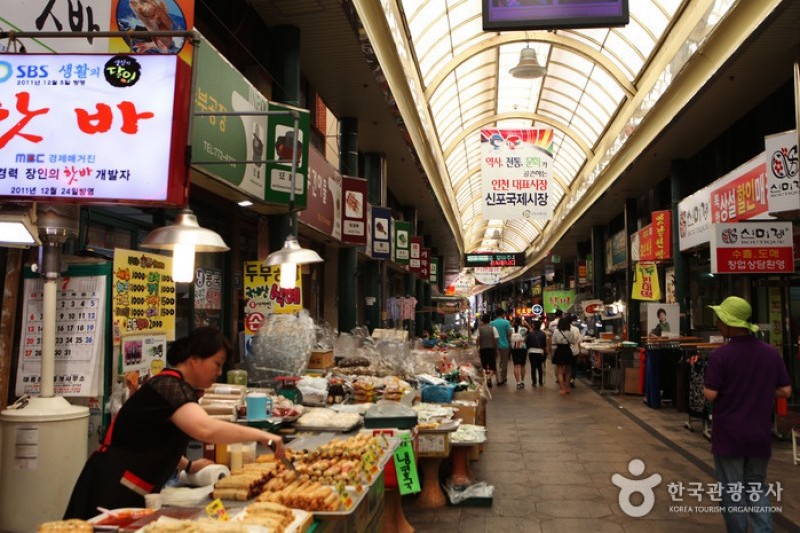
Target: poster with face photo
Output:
[(663, 320)]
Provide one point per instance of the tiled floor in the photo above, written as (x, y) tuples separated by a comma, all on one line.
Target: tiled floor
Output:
[(551, 458)]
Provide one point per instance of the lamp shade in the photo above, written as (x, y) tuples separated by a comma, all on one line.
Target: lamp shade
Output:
[(185, 230), (528, 66), (292, 252)]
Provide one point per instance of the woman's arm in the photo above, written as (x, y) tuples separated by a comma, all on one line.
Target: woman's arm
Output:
[(195, 422)]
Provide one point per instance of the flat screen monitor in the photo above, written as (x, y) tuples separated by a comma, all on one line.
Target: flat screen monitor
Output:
[(501, 15)]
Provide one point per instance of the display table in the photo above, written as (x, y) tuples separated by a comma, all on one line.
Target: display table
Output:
[(433, 447), (605, 368)]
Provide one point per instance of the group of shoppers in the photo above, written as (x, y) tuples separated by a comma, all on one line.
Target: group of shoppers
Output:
[(501, 340)]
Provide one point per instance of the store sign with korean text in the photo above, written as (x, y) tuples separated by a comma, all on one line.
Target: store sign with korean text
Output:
[(742, 194), (323, 210), (424, 263), (74, 128), (661, 240), (354, 214), (583, 276), (694, 219), (223, 145), (380, 242), (402, 242), (462, 285), (557, 300), (415, 254), (517, 173), (645, 282), (488, 275), (435, 267), (264, 294), (752, 248), (616, 252), (783, 172), (494, 260)]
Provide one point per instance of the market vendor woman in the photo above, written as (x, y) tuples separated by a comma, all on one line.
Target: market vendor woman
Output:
[(146, 441)]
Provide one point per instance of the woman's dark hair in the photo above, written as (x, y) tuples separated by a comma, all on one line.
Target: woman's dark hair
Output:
[(564, 323), (485, 318), (203, 342), (537, 325)]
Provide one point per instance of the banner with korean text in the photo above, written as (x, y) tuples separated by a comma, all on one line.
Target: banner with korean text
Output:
[(78, 125), (741, 194), (517, 173), (424, 263), (661, 239), (557, 300), (645, 282), (415, 255), (783, 172), (752, 248)]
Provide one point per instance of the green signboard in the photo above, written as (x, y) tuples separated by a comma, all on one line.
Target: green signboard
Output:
[(402, 242), (235, 148)]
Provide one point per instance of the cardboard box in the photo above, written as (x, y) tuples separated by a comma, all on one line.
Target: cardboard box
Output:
[(470, 395), (632, 381), (433, 444), (320, 360), (466, 411)]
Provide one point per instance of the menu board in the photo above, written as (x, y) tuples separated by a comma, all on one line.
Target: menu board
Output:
[(143, 294), (79, 336)]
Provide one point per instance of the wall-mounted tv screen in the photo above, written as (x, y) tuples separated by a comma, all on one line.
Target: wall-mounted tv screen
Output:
[(553, 14)]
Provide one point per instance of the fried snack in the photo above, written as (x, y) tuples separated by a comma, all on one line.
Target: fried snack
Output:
[(66, 526), (301, 493), (240, 495), (268, 507)]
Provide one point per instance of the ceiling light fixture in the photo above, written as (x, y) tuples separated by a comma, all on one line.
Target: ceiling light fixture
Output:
[(18, 228), (184, 237), (528, 66)]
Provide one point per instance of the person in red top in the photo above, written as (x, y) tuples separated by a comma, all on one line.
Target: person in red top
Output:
[(146, 441), (743, 379)]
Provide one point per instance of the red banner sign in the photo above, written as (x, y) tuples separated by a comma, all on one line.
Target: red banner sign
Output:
[(752, 248), (662, 235), (354, 214), (415, 262), (646, 251), (742, 197)]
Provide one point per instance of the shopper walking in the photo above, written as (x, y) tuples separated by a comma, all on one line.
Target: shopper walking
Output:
[(518, 351), (147, 439), (487, 347), (562, 355), (575, 346), (503, 344), (536, 343), (743, 378)]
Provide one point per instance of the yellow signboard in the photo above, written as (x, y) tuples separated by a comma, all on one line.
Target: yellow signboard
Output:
[(645, 285), (264, 294), (143, 294)]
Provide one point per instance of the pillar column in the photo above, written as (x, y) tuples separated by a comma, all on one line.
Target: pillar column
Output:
[(598, 260), (374, 172), (677, 173), (632, 306), (348, 256)]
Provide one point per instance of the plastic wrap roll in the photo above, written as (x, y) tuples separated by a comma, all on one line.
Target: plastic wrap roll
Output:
[(207, 476)]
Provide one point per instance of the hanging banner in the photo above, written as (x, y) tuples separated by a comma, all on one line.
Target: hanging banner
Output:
[(669, 286), (636, 247), (741, 194), (589, 269), (282, 140), (380, 243), (661, 238), (424, 263), (616, 252), (694, 219), (435, 266), (783, 174), (583, 277), (161, 15), (557, 300), (517, 173), (415, 254), (487, 275), (207, 297), (645, 282), (79, 124), (323, 210), (143, 294), (402, 242), (752, 248), (80, 334), (354, 214)]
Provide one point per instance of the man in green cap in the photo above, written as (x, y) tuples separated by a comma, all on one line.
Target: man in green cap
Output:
[(743, 378)]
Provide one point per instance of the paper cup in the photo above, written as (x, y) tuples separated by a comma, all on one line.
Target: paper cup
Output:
[(256, 406)]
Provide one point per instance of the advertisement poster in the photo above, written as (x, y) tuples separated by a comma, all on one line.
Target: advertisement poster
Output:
[(752, 248), (645, 282), (61, 17), (741, 194), (663, 320), (78, 125), (262, 285), (517, 173), (402, 242), (324, 207), (152, 15), (79, 336), (207, 297), (379, 234), (783, 172), (557, 300), (143, 356), (669, 285), (142, 294)]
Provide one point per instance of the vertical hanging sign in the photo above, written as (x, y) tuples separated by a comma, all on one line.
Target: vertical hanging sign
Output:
[(380, 238), (662, 234), (433, 270), (402, 242), (415, 255), (354, 214), (424, 263), (517, 173), (783, 174)]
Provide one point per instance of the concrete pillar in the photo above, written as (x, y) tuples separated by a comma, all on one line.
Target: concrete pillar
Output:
[(632, 305), (677, 173), (598, 260), (348, 257)]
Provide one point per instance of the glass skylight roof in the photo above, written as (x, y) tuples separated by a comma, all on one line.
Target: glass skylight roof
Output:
[(463, 73)]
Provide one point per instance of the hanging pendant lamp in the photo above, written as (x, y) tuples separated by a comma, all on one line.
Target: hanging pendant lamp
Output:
[(528, 66)]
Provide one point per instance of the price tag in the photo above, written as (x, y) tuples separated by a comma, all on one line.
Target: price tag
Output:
[(404, 464), (216, 510), (344, 496)]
